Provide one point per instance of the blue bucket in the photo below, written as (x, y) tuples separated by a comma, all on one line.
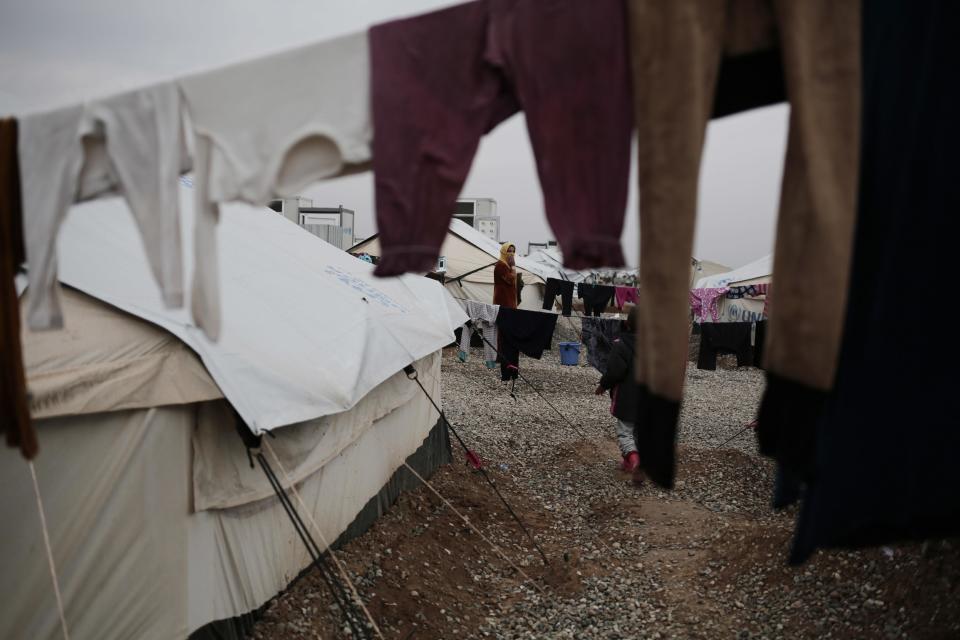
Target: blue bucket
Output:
[(570, 353)]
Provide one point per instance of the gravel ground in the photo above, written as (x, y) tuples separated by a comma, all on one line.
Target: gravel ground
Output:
[(707, 560)]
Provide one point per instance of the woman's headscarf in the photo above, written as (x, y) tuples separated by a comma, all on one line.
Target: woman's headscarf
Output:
[(503, 251)]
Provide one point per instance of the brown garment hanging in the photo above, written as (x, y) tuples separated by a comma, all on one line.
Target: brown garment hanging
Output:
[(14, 412), (678, 50)]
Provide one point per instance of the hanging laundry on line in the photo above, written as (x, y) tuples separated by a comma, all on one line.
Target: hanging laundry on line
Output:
[(485, 318), (704, 302), (626, 295), (15, 421), (599, 335), (442, 80), (523, 331), (596, 297), (562, 288), (747, 291), (141, 141)]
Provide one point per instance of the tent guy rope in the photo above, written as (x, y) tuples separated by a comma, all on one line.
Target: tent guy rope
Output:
[(46, 544), (316, 528), (542, 397), (336, 589), (476, 463), (469, 524)]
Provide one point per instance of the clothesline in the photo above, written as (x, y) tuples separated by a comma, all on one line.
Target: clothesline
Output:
[(248, 148), (245, 148)]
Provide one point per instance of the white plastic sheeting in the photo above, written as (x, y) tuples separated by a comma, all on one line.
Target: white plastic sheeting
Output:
[(307, 330), (758, 271)]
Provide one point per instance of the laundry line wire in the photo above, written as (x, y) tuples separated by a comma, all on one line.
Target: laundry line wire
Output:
[(520, 462), (476, 463), (579, 432), (388, 330), (537, 391), (473, 528)]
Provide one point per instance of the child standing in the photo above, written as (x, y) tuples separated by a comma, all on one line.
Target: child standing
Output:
[(619, 380)]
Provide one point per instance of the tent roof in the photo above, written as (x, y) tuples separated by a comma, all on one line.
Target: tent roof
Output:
[(108, 360), (492, 248), (307, 329), (466, 249), (757, 271), (707, 268), (552, 258)]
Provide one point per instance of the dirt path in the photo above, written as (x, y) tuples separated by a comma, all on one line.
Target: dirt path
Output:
[(707, 560)]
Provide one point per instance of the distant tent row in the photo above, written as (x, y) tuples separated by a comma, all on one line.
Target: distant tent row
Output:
[(551, 258), (700, 269), (759, 271), (469, 258), (159, 526)]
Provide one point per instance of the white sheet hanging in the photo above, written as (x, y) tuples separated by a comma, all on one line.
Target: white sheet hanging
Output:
[(132, 141), (268, 128), (485, 315)]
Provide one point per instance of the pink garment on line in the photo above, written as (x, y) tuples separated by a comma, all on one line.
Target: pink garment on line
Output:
[(704, 301), (623, 295), (440, 81)]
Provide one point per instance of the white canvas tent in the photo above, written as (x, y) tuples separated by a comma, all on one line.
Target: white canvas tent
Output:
[(700, 269), (291, 306), (744, 309), (551, 258), (157, 523), (467, 251)]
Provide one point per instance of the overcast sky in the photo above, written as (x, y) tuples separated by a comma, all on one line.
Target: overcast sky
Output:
[(54, 52)]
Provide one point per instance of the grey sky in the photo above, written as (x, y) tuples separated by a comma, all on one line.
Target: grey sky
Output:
[(53, 52)]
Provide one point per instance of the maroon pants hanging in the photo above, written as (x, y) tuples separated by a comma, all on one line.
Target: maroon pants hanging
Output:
[(440, 81)]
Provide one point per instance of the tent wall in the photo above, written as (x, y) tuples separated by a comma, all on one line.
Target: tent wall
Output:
[(116, 490), (107, 360), (135, 560), (532, 294), (463, 257), (758, 271), (743, 309), (740, 310), (434, 452), (701, 269), (222, 477)]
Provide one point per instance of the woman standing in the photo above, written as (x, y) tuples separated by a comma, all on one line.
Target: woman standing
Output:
[(505, 278)]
